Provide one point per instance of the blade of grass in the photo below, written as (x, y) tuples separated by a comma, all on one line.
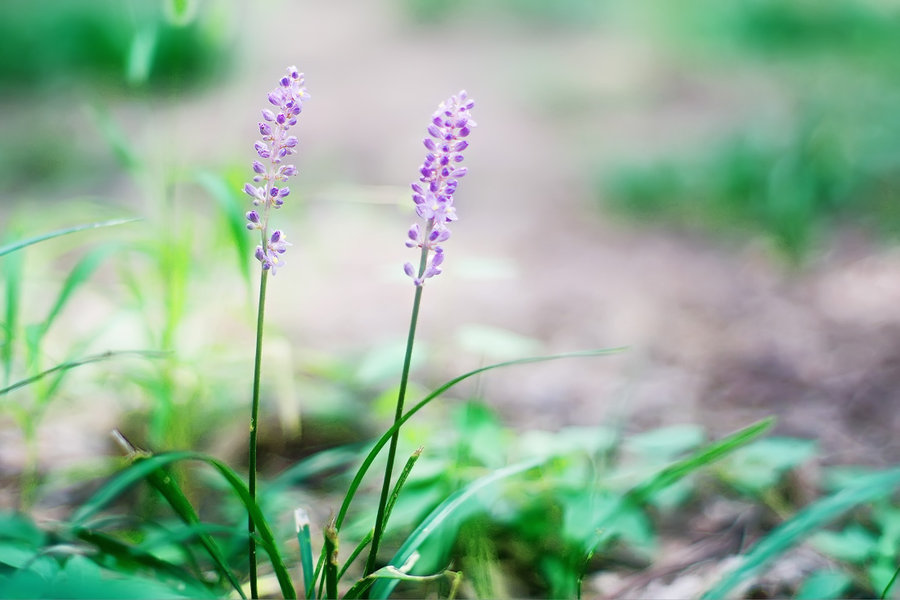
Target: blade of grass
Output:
[(386, 436), (13, 278), (13, 247), (331, 561), (304, 539), (458, 505), (166, 484), (79, 274), (141, 470), (640, 493), (126, 554), (810, 519), (233, 212), (77, 363), (404, 475)]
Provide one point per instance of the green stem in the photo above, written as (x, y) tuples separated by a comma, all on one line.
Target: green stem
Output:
[(254, 414), (392, 451)]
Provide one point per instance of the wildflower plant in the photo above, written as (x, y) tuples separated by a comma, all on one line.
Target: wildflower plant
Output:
[(268, 192)]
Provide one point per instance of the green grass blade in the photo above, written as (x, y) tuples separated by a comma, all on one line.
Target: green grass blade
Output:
[(458, 505), (233, 212), (12, 270), (810, 519), (166, 484), (77, 363), (639, 494), (79, 274), (13, 247), (141, 470), (127, 555), (367, 539), (890, 584), (698, 459), (331, 561), (404, 475), (385, 438), (304, 539)]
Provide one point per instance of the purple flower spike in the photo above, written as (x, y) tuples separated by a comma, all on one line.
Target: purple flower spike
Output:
[(276, 144), (433, 194)]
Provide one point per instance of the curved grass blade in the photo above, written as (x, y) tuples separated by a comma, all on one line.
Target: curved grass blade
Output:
[(79, 274), (13, 247), (458, 506), (167, 485), (641, 493), (142, 470), (700, 458), (810, 519), (126, 553), (385, 438), (890, 584), (12, 276), (233, 213), (77, 363)]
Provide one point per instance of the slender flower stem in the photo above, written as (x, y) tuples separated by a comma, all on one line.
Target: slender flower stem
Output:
[(254, 414), (401, 396)]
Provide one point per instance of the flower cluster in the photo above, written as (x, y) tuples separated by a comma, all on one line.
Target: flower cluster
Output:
[(271, 175), (439, 177)]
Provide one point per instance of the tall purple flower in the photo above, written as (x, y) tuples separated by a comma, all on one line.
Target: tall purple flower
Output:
[(439, 177), (270, 173)]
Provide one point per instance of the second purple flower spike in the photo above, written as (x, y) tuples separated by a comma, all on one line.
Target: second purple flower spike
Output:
[(439, 177)]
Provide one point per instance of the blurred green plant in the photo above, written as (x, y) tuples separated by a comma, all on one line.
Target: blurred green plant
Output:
[(833, 161), (122, 44)]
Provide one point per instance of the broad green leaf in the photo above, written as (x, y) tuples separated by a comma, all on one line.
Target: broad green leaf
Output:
[(761, 465), (854, 544), (805, 522), (823, 585)]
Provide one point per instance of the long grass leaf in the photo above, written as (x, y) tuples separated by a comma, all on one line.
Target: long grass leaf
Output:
[(12, 276), (141, 470), (166, 484), (304, 539), (126, 553), (700, 458), (640, 493), (812, 518), (77, 363), (233, 212), (79, 274), (386, 436), (457, 506), (13, 247)]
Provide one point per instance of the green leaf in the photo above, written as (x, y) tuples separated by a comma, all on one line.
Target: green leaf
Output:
[(13, 247), (79, 274), (761, 465), (822, 585), (805, 522), (854, 544)]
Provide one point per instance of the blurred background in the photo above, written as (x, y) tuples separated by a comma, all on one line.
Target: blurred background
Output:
[(713, 185)]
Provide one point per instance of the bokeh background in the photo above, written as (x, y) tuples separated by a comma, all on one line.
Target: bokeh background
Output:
[(712, 184)]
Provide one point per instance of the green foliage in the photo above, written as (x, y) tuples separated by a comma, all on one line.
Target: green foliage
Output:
[(108, 41), (832, 160)]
